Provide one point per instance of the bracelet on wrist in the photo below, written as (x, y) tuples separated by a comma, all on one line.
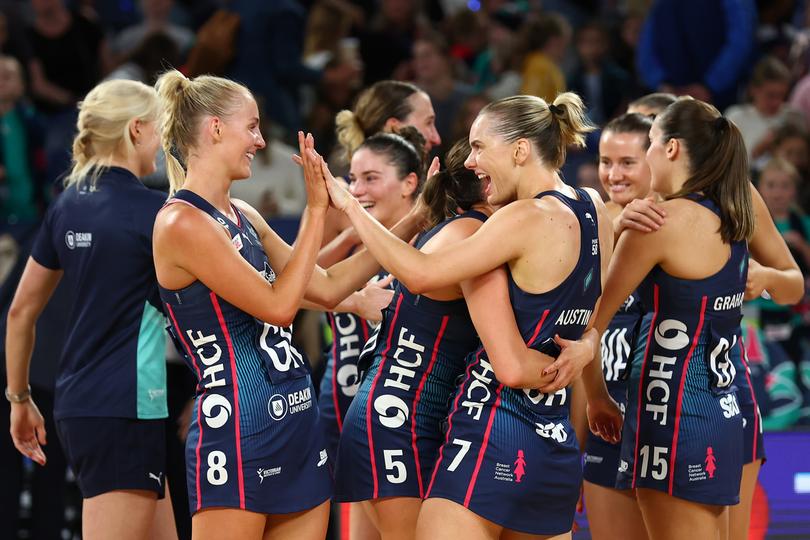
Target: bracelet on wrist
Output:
[(25, 395)]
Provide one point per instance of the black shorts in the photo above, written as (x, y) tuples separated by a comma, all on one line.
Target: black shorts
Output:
[(108, 454)]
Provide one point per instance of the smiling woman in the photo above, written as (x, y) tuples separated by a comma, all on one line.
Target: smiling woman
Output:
[(518, 144)]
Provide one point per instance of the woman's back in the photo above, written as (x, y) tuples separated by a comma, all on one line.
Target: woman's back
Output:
[(102, 240)]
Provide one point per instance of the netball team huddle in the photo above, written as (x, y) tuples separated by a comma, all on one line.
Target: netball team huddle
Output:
[(537, 348)]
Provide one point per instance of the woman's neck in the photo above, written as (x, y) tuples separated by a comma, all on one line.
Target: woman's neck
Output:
[(209, 182), (536, 179)]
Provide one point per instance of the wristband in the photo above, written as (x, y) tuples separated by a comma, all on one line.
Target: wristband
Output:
[(25, 395)]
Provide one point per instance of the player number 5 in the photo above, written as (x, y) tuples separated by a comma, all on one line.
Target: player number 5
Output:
[(401, 473)]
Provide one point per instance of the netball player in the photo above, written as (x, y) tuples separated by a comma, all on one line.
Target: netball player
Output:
[(683, 429), (384, 107), (625, 177), (510, 462), (257, 462), (773, 269), (386, 175), (111, 386)]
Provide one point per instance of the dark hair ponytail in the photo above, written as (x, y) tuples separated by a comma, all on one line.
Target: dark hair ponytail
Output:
[(454, 187), (718, 163)]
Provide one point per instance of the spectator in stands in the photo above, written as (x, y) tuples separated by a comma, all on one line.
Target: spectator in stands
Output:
[(387, 45), (697, 47), (22, 159), (597, 78), (767, 110), (155, 19), (435, 74), (496, 59), (792, 144), (542, 46), (69, 58), (269, 45)]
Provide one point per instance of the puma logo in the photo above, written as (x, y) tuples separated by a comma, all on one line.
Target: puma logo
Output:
[(157, 478)]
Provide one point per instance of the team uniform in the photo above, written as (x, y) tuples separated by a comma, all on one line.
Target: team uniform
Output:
[(753, 445), (620, 343), (393, 428), (341, 378), (110, 396), (511, 455), (683, 430), (254, 441)]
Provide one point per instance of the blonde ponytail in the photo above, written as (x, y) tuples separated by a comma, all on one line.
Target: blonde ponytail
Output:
[(184, 102), (103, 126), (551, 128)]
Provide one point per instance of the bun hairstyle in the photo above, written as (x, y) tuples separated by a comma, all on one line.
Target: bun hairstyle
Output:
[(184, 103), (453, 187), (718, 163), (550, 128), (404, 149), (378, 103), (635, 123), (105, 116)]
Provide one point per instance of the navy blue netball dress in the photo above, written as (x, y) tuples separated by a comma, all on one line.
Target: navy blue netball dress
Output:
[(683, 431), (393, 429), (620, 343), (255, 440), (511, 455)]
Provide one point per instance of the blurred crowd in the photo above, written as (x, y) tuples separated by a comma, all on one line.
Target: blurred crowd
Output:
[(306, 60)]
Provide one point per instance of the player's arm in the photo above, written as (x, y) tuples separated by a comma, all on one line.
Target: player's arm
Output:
[(514, 364), (190, 239), (33, 292), (775, 270), (327, 287)]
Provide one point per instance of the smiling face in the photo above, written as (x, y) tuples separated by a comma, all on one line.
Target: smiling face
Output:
[(373, 180), (623, 169), (241, 138), (491, 160)]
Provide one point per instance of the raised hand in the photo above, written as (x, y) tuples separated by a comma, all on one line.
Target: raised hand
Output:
[(317, 195), (435, 166), (339, 195)]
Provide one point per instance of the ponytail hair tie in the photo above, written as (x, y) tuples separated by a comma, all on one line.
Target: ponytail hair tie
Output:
[(720, 124), (556, 110)]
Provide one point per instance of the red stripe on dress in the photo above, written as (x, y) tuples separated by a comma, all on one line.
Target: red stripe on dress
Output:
[(744, 360), (450, 420), (641, 381), (680, 395), (416, 401), (333, 320), (369, 405), (483, 447), (537, 328), (235, 378), (199, 403)]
